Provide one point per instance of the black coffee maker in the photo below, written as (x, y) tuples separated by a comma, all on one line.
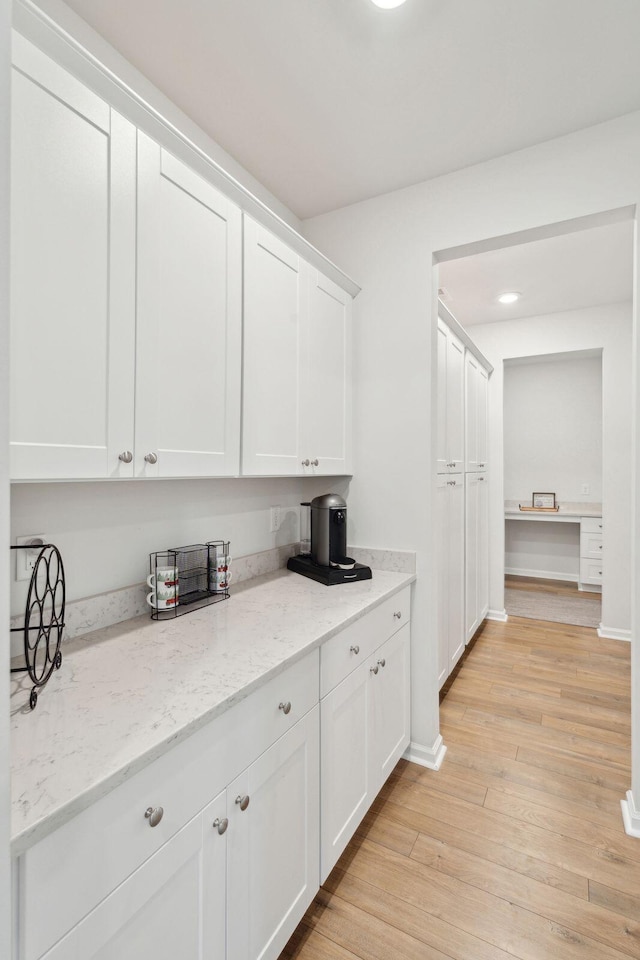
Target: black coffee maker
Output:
[(328, 562)]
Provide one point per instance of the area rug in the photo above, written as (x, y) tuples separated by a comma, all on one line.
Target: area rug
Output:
[(581, 611)]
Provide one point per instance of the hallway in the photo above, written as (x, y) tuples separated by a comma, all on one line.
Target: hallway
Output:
[(515, 848)]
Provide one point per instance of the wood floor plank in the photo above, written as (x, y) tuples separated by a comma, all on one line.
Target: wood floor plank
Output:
[(307, 944), (447, 937), (588, 918), (588, 731), (605, 776), (622, 903)]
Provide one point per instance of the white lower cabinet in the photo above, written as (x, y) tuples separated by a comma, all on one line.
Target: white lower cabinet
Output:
[(156, 869), (477, 551), (450, 522), (273, 852), (364, 730)]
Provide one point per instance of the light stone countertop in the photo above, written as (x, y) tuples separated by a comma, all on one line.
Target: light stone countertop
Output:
[(125, 694)]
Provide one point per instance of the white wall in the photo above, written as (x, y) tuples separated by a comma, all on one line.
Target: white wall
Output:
[(5, 817), (609, 329), (389, 243), (106, 530), (553, 429)]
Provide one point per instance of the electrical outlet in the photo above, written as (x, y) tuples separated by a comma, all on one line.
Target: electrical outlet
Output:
[(26, 559), (586, 489), (276, 519)]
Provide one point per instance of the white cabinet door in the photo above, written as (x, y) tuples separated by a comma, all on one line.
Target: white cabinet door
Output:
[(390, 720), (344, 764), (156, 914), (72, 276), (441, 441), (455, 404), (326, 379), (188, 324), (482, 421), (456, 568), (471, 560), (275, 314), (273, 846), (471, 367), (483, 546), (214, 877), (442, 553)]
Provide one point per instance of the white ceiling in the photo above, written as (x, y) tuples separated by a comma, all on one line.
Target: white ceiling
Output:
[(585, 269), (328, 102)]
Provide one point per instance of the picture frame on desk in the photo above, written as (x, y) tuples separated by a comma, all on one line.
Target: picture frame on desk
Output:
[(544, 500)]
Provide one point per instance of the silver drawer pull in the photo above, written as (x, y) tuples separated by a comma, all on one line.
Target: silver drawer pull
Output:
[(126, 456), (285, 707), (243, 802), (600, 547), (398, 614), (382, 662), (306, 463), (355, 649), (151, 458), (315, 463), (154, 815), (220, 824), (374, 669)]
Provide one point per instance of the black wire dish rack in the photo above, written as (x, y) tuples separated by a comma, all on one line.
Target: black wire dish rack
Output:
[(43, 619), (183, 579)]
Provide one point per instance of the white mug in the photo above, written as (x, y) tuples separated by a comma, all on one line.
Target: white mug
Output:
[(163, 599), (219, 579), (163, 577)]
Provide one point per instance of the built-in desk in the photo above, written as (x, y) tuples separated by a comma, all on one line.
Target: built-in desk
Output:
[(572, 555)]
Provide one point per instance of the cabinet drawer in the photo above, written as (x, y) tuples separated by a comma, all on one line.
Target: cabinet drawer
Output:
[(338, 656), (591, 545), (591, 525), (590, 571), (66, 874)]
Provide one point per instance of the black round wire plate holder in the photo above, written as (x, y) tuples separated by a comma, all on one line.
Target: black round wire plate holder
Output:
[(44, 618)]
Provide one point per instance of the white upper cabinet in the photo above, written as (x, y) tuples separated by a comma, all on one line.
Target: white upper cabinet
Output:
[(450, 434), (476, 391), (72, 276), (275, 306), (187, 410), (326, 380), (297, 363)]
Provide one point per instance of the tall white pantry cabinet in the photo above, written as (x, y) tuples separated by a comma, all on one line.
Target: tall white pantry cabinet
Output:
[(150, 316), (462, 500)]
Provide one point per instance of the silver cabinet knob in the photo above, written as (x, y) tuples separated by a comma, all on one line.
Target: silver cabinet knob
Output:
[(285, 707), (382, 662), (243, 802), (126, 456), (398, 614), (315, 463), (151, 458), (220, 824), (154, 815), (600, 547), (306, 463), (481, 464), (355, 649), (374, 669)]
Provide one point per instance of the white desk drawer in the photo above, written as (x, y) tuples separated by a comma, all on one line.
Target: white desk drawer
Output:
[(351, 647), (591, 546), (591, 525), (590, 571)]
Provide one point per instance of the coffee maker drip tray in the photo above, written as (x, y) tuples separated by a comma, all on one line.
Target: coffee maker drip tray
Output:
[(328, 575)]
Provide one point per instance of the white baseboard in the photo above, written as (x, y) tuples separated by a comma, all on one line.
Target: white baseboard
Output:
[(430, 757), (500, 615), (612, 633), (542, 574), (630, 816)]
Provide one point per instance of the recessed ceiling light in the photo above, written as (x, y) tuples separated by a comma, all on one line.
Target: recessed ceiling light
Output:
[(509, 297), (387, 4)]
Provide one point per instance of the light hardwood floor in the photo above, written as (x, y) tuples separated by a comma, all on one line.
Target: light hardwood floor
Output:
[(515, 848)]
